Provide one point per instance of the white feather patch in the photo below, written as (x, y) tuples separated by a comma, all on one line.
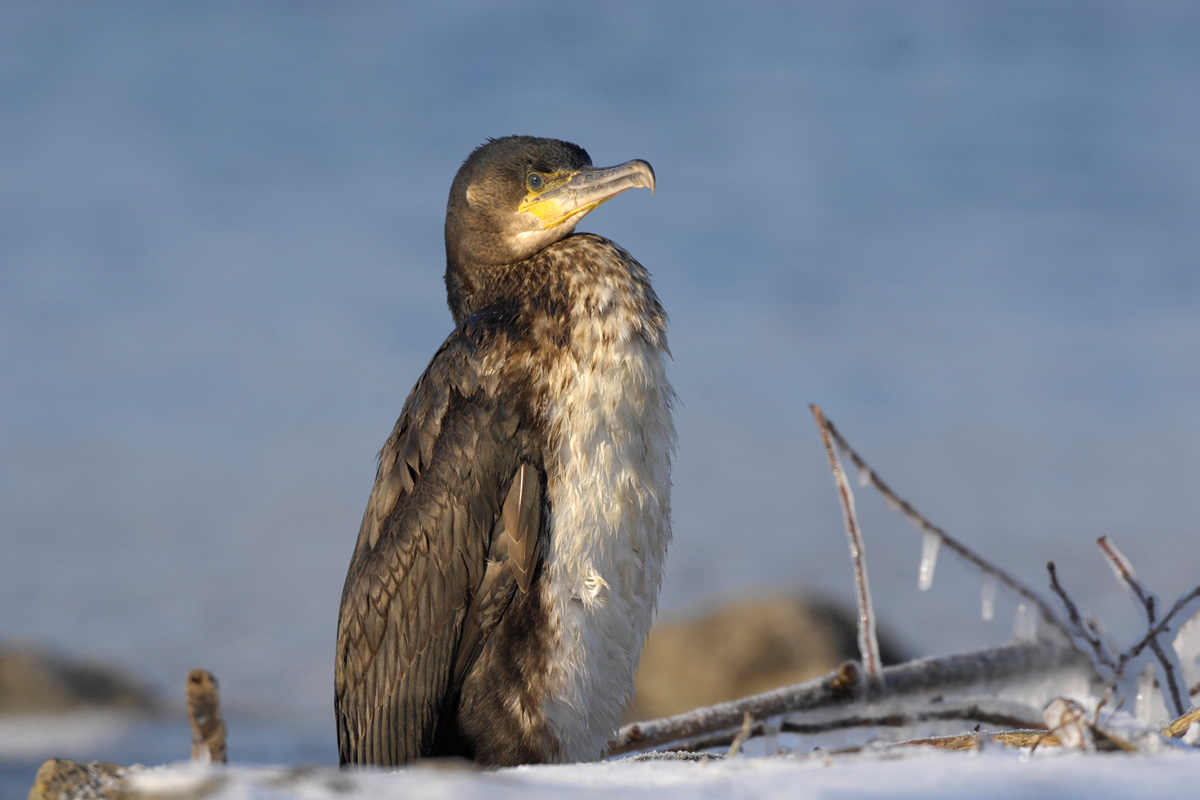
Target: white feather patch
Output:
[(609, 525)]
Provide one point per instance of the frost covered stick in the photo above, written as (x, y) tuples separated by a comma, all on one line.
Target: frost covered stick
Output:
[(841, 688), (926, 527), (1123, 569), (1160, 628), (868, 644)]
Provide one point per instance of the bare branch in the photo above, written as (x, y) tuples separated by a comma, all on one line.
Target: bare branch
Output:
[(924, 525), (868, 645), (1123, 568), (1080, 630), (1160, 628)]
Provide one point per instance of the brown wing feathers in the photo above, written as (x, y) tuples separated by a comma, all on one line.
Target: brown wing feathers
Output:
[(438, 559), (522, 519)]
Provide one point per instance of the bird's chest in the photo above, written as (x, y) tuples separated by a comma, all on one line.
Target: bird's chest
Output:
[(608, 485)]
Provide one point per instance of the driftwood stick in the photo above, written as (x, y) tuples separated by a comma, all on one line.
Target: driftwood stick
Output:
[(925, 526), (204, 713), (1124, 570), (826, 691), (868, 644), (842, 687)]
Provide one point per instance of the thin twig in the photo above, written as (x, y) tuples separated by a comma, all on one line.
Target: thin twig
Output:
[(924, 525), (867, 642), (1082, 631), (742, 735), (1120, 564)]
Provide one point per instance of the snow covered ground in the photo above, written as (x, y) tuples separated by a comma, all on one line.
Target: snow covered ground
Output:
[(922, 775), (829, 759)]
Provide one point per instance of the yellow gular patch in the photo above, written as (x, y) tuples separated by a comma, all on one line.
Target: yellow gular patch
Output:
[(550, 210)]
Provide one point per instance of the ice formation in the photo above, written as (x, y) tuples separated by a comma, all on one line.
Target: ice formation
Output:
[(987, 597), (930, 542), (864, 476), (1025, 625), (1187, 647), (1149, 707)]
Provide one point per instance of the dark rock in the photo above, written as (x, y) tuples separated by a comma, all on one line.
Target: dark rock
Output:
[(34, 680)]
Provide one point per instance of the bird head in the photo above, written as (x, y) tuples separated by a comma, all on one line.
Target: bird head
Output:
[(513, 197)]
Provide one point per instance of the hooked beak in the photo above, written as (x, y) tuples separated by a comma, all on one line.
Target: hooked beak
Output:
[(567, 200)]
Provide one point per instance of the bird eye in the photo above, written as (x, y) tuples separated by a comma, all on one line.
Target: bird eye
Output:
[(534, 182)]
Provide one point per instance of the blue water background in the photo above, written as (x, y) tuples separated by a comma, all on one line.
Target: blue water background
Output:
[(970, 231)]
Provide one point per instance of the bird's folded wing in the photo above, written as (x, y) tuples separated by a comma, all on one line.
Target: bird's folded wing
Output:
[(414, 586)]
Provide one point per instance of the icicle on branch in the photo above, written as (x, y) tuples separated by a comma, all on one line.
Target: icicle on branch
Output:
[(868, 643), (927, 528), (929, 553), (987, 597)]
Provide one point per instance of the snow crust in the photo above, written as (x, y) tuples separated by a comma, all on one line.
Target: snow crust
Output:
[(914, 773)]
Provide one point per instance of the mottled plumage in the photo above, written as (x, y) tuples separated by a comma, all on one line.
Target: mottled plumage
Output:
[(511, 551)]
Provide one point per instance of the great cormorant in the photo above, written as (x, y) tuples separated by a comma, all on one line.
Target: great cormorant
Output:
[(511, 551)]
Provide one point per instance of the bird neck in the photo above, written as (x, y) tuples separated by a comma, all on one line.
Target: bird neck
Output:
[(470, 286)]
